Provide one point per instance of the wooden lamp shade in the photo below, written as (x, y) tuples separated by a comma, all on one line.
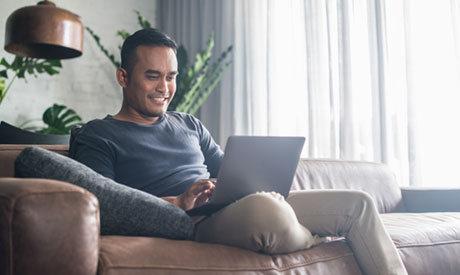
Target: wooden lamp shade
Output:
[(44, 31)]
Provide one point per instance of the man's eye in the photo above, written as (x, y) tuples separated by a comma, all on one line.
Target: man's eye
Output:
[(170, 78), (152, 77)]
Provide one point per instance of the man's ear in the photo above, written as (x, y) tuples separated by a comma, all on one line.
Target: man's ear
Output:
[(122, 77)]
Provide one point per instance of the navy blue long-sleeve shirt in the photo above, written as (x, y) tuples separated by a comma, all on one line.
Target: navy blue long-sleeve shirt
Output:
[(162, 159)]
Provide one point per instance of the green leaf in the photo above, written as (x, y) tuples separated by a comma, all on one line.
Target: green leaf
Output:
[(206, 93), (123, 34), (52, 113), (102, 48), (5, 63), (74, 118), (30, 69), (2, 90), (70, 116), (60, 119), (4, 74), (91, 32), (192, 93), (21, 73), (200, 80), (54, 62), (39, 68), (2, 87), (17, 63), (143, 22), (50, 70)]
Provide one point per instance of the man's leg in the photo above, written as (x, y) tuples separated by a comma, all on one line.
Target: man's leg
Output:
[(266, 223), (351, 214), (262, 222)]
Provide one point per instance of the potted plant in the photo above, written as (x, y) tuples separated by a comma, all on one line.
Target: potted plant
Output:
[(57, 118)]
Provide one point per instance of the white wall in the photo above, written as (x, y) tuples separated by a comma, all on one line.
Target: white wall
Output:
[(87, 83)]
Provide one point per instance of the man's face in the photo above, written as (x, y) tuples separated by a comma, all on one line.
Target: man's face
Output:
[(151, 84)]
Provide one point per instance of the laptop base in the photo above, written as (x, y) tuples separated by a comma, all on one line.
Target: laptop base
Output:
[(205, 209)]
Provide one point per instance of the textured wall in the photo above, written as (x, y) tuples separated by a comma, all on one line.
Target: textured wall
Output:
[(87, 83)]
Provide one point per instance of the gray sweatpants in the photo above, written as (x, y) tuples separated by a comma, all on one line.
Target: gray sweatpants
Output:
[(267, 223)]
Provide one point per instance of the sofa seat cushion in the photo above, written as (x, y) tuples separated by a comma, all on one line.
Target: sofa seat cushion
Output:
[(429, 243), (143, 255)]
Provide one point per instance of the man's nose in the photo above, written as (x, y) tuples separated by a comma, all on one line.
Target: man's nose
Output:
[(162, 86)]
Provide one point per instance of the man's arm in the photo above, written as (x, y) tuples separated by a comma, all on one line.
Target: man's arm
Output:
[(212, 153)]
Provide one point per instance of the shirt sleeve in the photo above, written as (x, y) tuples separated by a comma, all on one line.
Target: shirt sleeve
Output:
[(211, 150), (94, 153)]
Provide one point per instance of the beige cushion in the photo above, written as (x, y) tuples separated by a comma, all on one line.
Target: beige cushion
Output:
[(429, 243)]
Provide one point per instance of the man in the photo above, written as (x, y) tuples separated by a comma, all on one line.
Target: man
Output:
[(172, 155)]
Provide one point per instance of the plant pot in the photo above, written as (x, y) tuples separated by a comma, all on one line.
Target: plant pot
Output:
[(10, 134)]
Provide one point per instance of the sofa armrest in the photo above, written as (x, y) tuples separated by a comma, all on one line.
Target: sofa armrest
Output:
[(47, 227), (431, 200)]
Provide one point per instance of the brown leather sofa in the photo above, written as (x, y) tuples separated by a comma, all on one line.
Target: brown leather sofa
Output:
[(52, 227)]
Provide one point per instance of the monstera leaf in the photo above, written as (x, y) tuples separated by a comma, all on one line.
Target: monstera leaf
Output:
[(20, 67), (59, 120)]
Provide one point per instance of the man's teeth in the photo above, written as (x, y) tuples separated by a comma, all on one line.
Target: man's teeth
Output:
[(160, 98)]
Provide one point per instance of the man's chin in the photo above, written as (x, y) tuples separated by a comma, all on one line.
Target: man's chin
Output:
[(155, 113)]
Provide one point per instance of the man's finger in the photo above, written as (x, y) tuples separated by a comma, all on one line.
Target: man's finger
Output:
[(201, 186)]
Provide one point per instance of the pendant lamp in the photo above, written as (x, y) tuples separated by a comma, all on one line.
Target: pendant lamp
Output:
[(44, 31)]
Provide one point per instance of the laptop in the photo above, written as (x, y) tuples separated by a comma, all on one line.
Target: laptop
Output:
[(252, 164)]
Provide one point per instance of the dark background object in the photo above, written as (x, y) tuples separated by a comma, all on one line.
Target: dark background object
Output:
[(10, 134)]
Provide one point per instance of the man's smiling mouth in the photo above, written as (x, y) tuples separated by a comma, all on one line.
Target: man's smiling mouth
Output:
[(159, 98)]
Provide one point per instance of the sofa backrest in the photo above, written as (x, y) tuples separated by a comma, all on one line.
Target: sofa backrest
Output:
[(9, 152), (374, 178)]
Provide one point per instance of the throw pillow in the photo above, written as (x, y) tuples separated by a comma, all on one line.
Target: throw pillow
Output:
[(123, 210)]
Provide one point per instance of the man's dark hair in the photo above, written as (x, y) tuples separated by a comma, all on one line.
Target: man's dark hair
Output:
[(150, 37)]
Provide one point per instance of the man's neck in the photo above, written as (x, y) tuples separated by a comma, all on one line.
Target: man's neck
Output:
[(136, 118)]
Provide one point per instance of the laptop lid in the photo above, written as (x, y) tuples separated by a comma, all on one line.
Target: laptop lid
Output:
[(256, 163)]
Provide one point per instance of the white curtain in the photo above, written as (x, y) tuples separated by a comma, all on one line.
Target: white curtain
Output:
[(342, 73), (432, 33)]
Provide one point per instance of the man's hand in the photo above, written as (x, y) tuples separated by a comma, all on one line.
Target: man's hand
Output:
[(195, 195)]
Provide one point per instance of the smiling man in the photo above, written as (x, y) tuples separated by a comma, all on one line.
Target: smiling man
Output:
[(171, 155), (168, 154)]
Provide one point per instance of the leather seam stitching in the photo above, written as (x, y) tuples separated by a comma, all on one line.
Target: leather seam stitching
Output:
[(427, 244), (215, 268)]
